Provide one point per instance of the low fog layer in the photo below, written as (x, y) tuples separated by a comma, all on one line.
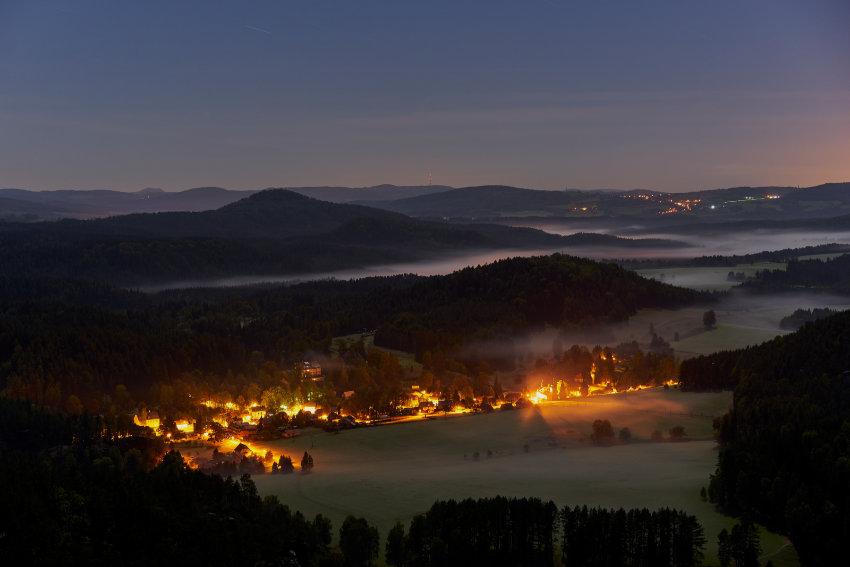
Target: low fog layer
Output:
[(724, 244), (700, 245), (435, 267)]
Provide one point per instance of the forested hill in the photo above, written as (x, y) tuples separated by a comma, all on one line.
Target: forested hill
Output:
[(785, 446), (274, 213), (272, 232), (98, 339), (520, 293), (82, 204)]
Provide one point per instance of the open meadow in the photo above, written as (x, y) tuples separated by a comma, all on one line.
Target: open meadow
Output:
[(743, 319), (390, 473)]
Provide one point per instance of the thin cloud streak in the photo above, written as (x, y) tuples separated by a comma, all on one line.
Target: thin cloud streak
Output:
[(256, 29)]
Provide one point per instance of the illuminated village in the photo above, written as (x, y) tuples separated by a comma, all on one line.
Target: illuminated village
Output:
[(234, 437)]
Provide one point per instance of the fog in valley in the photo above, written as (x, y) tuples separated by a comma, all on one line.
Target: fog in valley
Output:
[(737, 243), (720, 242)]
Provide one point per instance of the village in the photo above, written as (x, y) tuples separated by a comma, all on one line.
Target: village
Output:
[(233, 438)]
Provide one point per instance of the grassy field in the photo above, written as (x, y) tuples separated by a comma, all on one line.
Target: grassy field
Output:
[(405, 359), (391, 473)]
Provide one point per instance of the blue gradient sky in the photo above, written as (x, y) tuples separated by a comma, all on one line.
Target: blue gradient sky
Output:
[(674, 95)]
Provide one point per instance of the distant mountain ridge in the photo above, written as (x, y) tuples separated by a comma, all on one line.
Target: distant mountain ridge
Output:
[(95, 203), (737, 203), (440, 201)]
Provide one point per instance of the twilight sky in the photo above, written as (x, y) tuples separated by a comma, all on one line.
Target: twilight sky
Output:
[(673, 95)]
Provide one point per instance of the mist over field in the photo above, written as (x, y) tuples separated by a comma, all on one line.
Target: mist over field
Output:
[(743, 319)]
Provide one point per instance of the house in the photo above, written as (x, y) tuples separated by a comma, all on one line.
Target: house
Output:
[(512, 396), (312, 370), (145, 418)]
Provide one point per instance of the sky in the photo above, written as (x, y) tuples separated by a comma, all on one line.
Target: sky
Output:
[(672, 95)]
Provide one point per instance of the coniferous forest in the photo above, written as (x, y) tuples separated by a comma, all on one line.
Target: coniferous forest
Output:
[(785, 443)]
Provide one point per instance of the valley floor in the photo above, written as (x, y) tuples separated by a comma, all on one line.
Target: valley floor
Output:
[(391, 473)]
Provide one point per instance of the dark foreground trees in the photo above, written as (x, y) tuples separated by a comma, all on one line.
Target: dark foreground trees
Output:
[(72, 494), (501, 531), (596, 537), (741, 547), (359, 542)]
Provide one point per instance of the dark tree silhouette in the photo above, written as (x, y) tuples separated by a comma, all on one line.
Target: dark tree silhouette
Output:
[(603, 432), (359, 542), (396, 549), (306, 462)]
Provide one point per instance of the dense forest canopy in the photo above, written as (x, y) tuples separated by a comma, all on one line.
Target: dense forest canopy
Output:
[(61, 338), (785, 444), (819, 347)]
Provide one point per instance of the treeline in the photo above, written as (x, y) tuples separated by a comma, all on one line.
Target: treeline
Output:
[(524, 531), (831, 275), (623, 366), (802, 316), (785, 445), (733, 260), (60, 339)]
